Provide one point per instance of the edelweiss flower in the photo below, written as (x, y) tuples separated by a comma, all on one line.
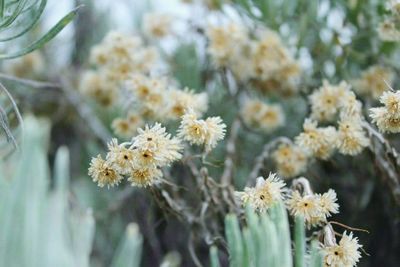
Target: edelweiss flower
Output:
[(268, 117), (157, 25), (314, 208), (290, 160), (127, 127), (351, 138), (201, 132), (317, 141), (373, 81), (264, 195), (156, 147), (345, 254), (120, 157), (326, 101), (387, 118), (144, 176), (181, 100), (388, 32), (103, 173)]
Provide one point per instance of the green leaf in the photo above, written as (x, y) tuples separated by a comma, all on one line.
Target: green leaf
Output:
[(234, 238), (32, 23), (316, 256), (47, 37), (14, 15), (214, 260), (130, 249), (299, 241)]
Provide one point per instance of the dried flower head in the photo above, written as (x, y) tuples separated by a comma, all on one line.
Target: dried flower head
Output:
[(290, 160), (344, 254), (314, 208), (156, 147), (157, 25), (317, 141), (144, 176), (264, 195), (387, 118), (267, 117), (202, 132), (351, 138), (103, 172), (387, 31), (326, 101), (373, 81)]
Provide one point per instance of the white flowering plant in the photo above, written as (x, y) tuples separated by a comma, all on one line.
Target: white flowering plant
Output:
[(214, 121)]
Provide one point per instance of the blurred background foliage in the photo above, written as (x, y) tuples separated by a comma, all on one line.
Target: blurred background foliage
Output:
[(333, 40)]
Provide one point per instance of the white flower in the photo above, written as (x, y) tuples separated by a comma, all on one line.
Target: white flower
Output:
[(345, 254), (264, 195)]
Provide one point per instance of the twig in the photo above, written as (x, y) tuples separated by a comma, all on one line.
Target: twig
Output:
[(226, 176), (29, 82), (17, 113), (85, 112)]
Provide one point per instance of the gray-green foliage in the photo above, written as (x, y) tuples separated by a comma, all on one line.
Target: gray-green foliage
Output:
[(38, 226), (265, 241), (17, 18)]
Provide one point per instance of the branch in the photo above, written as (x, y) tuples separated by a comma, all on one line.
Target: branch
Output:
[(226, 177), (30, 83), (85, 112)]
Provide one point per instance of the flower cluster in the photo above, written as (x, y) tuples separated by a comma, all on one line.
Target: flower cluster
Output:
[(201, 132), (157, 25), (264, 195), (262, 59), (140, 160), (158, 99), (318, 142), (327, 101), (31, 65), (314, 208), (388, 29), (267, 117), (387, 118), (290, 160), (374, 81), (344, 254), (116, 58)]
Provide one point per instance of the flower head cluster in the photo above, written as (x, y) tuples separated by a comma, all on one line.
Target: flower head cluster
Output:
[(264, 195), (150, 150), (226, 43), (267, 117), (314, 208), (387, 31), (344, 254), (116, 58), (319, 142), (155, 98), (290, 160), (157, 25), (261, 58), (273, 64), (31, 65), (327, 100), (351, 138), (387, 118), (126, 127), (201, 132), (374, 81)]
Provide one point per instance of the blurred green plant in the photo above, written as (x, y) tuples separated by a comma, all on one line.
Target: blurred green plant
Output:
[(39, 226), (17, 18), (265, 241)]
